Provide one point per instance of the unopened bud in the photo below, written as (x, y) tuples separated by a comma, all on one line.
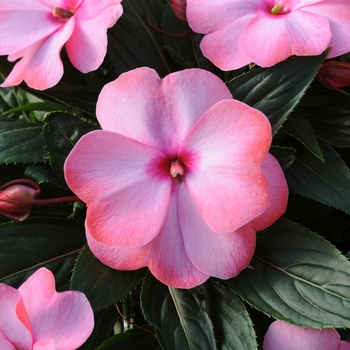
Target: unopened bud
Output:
[(179, 9), (335, 75)]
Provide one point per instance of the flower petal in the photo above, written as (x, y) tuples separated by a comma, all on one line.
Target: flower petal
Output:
[(338, 13), (225, 177), (14, 325), (41, 66), (126, 195), (4, 343), (278, 194), (87, 46), (222, 255), (281, 335), (44, 345), (165, 110), (168, 260), (65, 317), (289, 34)]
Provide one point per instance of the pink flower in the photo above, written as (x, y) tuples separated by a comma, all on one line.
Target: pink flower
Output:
[(334, 75), (17, 197), (179, 9), (37, 317), (178, 180), (238, 32), (35, 31), (281, 335)]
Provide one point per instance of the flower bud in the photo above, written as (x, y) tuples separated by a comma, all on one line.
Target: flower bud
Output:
[(334, 75), (16, 199), (179, 9)]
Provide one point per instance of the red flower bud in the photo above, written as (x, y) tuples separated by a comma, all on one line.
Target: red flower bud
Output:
[(334, 75), (179, 9), (17, 197)]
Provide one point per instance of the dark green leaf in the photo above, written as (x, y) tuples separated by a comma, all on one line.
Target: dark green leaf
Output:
[(61, 132), (284, 155), (102, 285), (275, 91), (133, 43), (42, 173), (327, 182), (298, 277), (33, 243), (20, 142), (133, 339)]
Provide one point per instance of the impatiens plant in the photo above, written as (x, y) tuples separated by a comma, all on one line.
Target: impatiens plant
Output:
[(186, 179), (36, 317), (265, 32), (184, 164), (35, 31), (281, 335)]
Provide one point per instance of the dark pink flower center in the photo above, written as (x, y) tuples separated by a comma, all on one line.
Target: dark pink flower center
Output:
[(280, 8), (62, 13)]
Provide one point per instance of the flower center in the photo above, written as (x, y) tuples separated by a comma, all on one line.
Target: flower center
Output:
[(62, 13), (280, 8), (176, 168)]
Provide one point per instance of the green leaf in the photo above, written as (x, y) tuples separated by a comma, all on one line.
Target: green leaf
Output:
[(61, 132), (33, 243), (133, 43), (20, 142), (42, 173), (133, 339), (327, 182), (284, 155), (102, 285), (275, 91), (298, 277), (232, 326)]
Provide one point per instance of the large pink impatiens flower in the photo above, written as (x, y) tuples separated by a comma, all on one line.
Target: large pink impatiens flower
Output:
[(284, 336), (239, 32), (179, 179), (36, 317), (35, 31)]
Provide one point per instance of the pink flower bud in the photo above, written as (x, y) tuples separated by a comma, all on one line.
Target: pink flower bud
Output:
[(334, 75), (179, 9), (16, 198)]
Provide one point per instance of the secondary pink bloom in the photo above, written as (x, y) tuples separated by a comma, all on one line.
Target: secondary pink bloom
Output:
[(238, 32), (17, 197), (35, 31), (281, 335), (36, 317), (179, 179), (179, 9), (334, 75)]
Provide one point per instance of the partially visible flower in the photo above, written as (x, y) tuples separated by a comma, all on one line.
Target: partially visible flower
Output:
[(35, 31), (36, 317), (335, 75), (179, 9), (284, 336), (17, 197), (239, 32), (179, 179)]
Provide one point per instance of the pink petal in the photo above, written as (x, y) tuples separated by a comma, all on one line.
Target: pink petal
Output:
[(278, 194), (166, 109), (225, 178), (281, 335), (87, 46), (4, 343), (296, 33), (222, 255), (14, 325), (65, 317), (168, 260), (344, 345), (41, 66), (19, 27), (45, 345), (338, 14), (126, 195)]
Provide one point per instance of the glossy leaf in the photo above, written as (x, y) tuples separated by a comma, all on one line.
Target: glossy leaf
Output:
[(133, 42), (325, 181), (102, 285), (275, 91), (298, 277), (20, 142)]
